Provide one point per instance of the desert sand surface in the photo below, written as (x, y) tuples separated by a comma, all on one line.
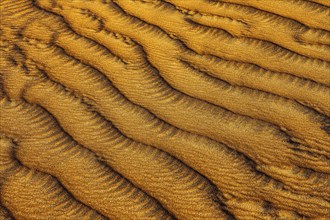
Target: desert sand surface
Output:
[(164, 109)]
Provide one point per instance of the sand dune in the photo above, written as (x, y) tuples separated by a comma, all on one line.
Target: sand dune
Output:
[(165, 109)]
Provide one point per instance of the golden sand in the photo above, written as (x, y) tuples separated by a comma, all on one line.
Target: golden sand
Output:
[(164, 109)]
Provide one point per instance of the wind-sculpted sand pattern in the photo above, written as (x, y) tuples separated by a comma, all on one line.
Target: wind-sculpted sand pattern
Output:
[(165, 109)]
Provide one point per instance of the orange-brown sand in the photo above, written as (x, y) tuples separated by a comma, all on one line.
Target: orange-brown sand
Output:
[(164, 109)]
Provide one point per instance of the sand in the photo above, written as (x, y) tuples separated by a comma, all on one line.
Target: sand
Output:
[(164, 109)]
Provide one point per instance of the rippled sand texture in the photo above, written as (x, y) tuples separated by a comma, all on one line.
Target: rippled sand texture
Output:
[(165, 109)]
